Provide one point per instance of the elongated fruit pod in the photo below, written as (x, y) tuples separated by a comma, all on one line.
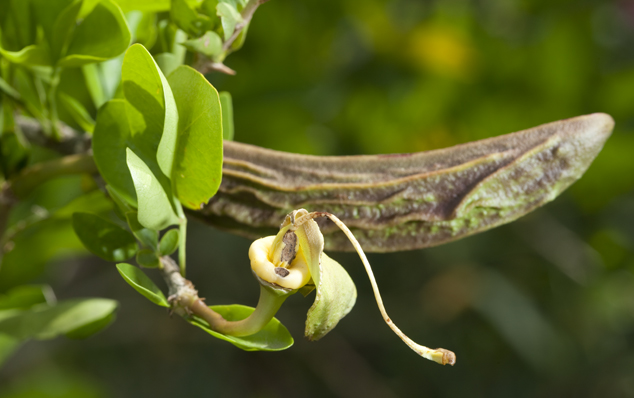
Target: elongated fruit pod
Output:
[(407, 201)]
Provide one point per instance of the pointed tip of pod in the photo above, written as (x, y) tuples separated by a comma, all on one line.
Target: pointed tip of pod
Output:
[(591, 131)]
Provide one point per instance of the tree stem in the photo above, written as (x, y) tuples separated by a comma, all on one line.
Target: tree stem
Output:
[(185, 301), (30, 178)]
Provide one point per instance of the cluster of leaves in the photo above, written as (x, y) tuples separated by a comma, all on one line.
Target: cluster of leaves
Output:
[(157, 143), (159, 148), (211, 23)]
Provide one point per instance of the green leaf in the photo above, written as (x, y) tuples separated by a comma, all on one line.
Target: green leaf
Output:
[(14, 152), (187, 19), (227, 115), (102, 35), (33, 55), (104, 238), (147, 90), (8, 345), (23, 297), (155, 209), (8, 90), (168, 62), (111, 137), (142, 284), (47, 12), (144, 5), (63, 28), (91, 328), (34, 247), (210, 44), (148, 237), (78, 112), (47, 322), (229, 16), (336, 293), (273, 337), (197, 167), (147, 258), (169, 242)]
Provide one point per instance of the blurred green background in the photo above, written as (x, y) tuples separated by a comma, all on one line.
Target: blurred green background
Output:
[(543, 307)]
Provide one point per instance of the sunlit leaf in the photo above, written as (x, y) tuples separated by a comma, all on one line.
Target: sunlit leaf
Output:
[(229, 16), (142, 284), (187, 19), (168, 62), (147, 90), (197, 167), (209, 44), (154, 208), (273, 337)]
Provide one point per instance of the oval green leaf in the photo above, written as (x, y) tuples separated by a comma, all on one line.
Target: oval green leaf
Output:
[(102, 35), (104, 238), (274, 336), (155, 209), (46, 322), (33, 55), (142, 284), (209, 44), (147, 90), (169, 242), (197, 169), (187, 19)]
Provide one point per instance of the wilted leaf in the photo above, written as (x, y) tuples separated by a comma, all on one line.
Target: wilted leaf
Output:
[(336, 293)]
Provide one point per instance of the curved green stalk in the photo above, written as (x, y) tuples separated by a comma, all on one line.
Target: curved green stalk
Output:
[(269, 303)]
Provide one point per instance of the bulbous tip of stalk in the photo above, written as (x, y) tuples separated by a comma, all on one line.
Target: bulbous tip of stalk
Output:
[(444, 357), (279, 261)]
